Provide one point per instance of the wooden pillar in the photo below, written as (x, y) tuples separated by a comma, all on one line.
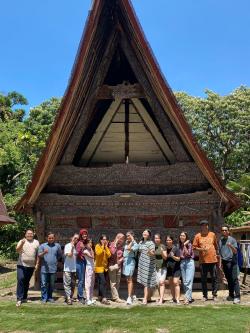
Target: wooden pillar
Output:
[(217, 220), (40, 225), (40, 232)]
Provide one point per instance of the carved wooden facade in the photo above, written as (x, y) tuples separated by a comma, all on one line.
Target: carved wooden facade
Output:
[(121, 154)]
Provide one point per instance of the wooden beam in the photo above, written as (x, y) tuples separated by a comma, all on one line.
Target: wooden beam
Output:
[(100, 132), (121, 91), (84, 109), (164, 147), (126, 127), (137, 64)]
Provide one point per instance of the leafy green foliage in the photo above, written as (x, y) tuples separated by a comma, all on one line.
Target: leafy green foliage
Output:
[(221, 125), (7, 102), (21, 143), (242, 189)]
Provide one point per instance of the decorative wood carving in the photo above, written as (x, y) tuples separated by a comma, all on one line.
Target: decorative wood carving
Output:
[(181, 177), (129, 204), (121, 91)]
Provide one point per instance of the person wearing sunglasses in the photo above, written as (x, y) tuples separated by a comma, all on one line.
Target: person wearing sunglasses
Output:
[(228, 254)]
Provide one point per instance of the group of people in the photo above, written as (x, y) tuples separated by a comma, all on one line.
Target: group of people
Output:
[(158, 261)]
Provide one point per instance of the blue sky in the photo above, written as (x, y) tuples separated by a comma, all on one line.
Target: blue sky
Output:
[(199, 44)]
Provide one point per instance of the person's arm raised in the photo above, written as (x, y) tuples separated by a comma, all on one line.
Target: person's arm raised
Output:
[(20, 245)]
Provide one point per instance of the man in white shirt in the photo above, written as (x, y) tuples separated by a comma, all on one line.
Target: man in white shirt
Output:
[(69, 270), (27, 262)]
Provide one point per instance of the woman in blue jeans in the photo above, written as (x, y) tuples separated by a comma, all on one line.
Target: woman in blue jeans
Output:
[(187, 265), (81, 264)]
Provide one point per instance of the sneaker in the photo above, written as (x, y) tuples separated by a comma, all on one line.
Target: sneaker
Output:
[(129, 300), (236, 300), (93, 301), (18, 303), (134, 299), (69, 301), (205, 299), (82, 300), (51, 300), (89, 302), (43, 301), (215, 298), (229, 298)]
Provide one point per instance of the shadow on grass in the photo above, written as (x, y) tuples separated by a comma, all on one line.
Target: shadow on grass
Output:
[(4, 269)]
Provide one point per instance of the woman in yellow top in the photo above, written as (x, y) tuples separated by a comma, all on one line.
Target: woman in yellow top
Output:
[(102, 253)]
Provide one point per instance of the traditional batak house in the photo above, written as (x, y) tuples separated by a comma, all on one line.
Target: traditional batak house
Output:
[(120, 154), (4, 217)]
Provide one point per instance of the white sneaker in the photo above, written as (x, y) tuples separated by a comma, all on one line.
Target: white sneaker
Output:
[(18, 303), (129, 301), (134, 299), (236, 300), (89, 302)]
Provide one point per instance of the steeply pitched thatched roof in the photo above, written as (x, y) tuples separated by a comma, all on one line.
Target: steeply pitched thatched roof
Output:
[(123, 20)]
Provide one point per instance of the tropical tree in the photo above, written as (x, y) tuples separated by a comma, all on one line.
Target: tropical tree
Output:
[(21, 142), (242, 189), (222, 126), (9, 104)]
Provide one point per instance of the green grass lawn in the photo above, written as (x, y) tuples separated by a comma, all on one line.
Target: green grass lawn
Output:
[(51, 318)]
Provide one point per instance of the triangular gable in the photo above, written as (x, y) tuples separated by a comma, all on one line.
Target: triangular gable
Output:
[(126, 134), (117, 20)]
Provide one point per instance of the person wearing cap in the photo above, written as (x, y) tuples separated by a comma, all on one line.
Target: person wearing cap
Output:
[(228, 252), (205, 242), (81, 264)]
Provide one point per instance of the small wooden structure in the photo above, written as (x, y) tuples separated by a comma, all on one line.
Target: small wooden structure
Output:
[(242, 232), (121, 155), (4, 217)]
